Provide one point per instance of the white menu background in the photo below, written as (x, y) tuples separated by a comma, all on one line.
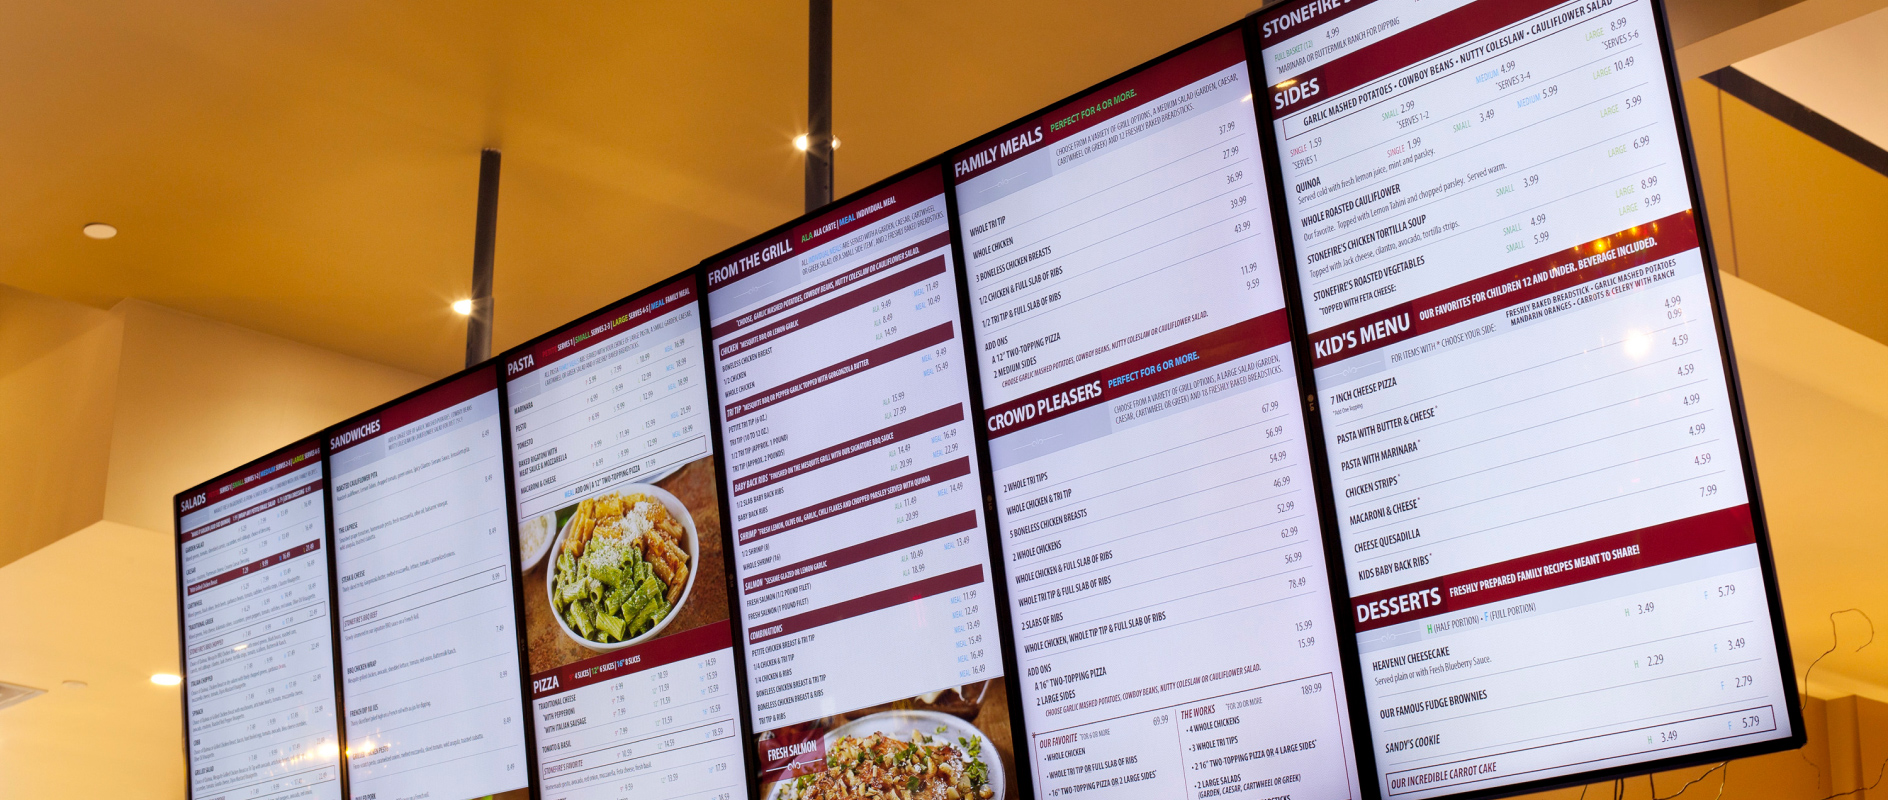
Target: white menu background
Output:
[(619, 400), (1169, 598), (1538, 479), (430, 662), (258, 667), (863, 564)]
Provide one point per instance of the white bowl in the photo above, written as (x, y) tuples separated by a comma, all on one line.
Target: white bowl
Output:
[(692, 543), (534, 556)]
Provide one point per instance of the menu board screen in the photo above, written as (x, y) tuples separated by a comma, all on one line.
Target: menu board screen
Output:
[(866, 602), (259, 687), (619, 529), (1553, 554), (429, 642), (1168, 590)]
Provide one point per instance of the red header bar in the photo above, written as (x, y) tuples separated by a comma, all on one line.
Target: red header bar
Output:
[(1168, 363), (859, 499), (830, 285), (254, 567), (811, 232), (1101, 105), (1293, 19), (789, 752), (1622, 251), (600, 328), (930, 268), (873, 548), (440, 397), (876, 601), (903, 431), (1664, 543), (222, 522), (691, 643), (840, 371), (1462, 28), (257, 473)]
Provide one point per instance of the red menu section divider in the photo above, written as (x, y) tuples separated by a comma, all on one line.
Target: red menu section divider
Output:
[(418, 407), (1309, 15), (846, 219), (1465, 28), (866, 604), (691, 643), (602, 327), (1664, 543), (930, 268), (1168, 363), (899, 432), (858, 499), (1508, 288), (867, 360), (225, 521), (830, 285), (788, 753), (253, 566), (890, 543), (267, 468), (1099, 106)]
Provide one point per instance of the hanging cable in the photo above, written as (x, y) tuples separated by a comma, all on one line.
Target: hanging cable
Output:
[(1868, 788), (1835, 640), (1722, 765)]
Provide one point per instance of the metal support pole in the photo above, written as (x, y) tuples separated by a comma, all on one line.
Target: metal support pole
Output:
[(478, 326), (819, 103)]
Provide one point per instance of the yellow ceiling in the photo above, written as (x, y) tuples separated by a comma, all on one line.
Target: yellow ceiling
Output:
[(1791, 214), (309, 169)]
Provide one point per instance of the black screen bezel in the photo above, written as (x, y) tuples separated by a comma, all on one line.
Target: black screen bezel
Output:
[(334, 649), (691, 274), (998, 576), (511, 535), (1363, 758), (1767, 566)]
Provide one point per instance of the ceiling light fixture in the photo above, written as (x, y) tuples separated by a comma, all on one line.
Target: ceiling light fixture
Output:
[(800, 142), (166, 679), (462, 307), (99, 230)]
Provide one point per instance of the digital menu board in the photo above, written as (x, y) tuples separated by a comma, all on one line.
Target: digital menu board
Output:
[(1556, 561), (633, 678), (432, 678), (259, 677), (1169, 596), (868, 608)]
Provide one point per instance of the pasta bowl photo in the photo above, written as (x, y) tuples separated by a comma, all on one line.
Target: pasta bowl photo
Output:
[(621, 567)]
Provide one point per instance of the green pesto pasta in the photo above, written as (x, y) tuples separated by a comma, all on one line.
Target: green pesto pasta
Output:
[(621, 569)]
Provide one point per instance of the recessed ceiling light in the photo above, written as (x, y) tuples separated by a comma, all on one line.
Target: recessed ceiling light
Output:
[(99, 230), (166, 679), (463, 307)]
